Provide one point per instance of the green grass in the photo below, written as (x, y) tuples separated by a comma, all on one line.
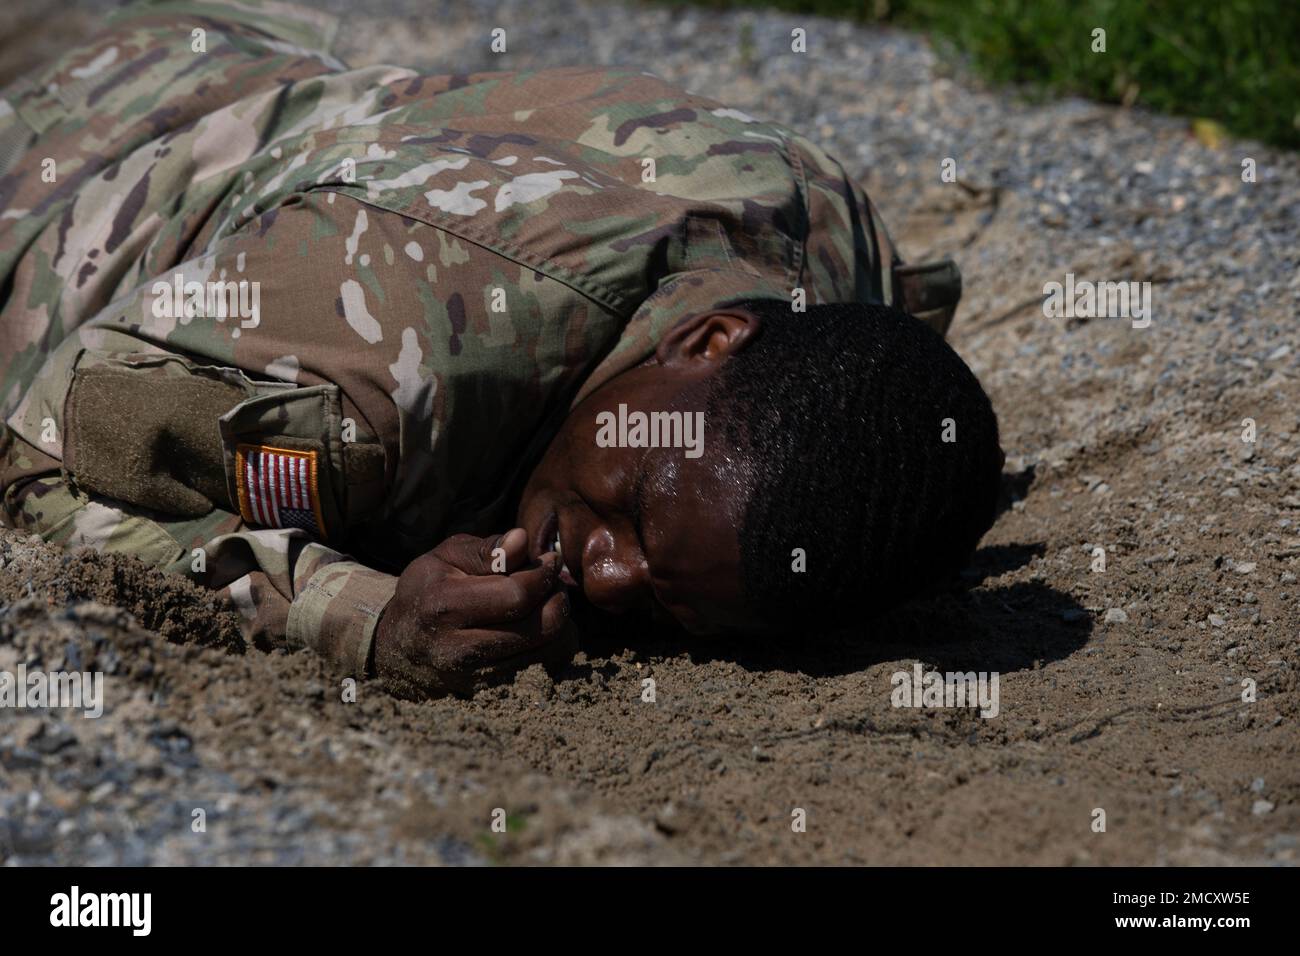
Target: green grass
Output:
[(1236, 62)]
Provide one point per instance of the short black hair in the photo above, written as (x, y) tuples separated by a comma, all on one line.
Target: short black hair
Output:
[(841, 416)]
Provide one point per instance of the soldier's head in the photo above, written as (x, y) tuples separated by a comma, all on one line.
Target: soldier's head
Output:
[(849, 462)]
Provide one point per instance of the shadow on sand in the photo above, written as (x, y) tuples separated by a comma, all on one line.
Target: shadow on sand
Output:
[(972, 626)]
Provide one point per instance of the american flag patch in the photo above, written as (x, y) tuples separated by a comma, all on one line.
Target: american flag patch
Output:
[(278, 488)]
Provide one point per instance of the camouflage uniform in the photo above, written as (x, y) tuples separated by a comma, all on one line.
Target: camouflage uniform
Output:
[(443, 265)]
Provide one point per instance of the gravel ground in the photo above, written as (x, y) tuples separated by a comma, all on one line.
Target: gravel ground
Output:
[(1120, 690)]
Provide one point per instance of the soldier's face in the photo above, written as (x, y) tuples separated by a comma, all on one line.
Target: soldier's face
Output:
[(643, 528)]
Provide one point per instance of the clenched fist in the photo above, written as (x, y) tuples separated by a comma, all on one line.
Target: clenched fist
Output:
[(455, 620)]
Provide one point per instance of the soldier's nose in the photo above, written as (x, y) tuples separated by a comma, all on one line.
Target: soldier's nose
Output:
[(615, 576)]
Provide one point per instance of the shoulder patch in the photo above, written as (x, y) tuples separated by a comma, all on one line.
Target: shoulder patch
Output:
[(279, 488)]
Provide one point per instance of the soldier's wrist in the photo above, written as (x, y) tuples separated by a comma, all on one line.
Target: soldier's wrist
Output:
[(338, 611)]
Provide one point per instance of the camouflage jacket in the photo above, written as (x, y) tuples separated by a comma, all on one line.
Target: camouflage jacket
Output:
[(281, 326)]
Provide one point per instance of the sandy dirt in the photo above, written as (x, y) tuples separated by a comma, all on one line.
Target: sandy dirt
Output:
[(1120, 690)]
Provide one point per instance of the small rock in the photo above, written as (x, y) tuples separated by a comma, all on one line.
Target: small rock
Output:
[(1246, 567), (1261, 807), (103, 790), (53, 739), (1216, 620), (1116, 615)]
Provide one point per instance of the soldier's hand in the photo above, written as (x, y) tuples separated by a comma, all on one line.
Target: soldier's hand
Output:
[(455, 622)]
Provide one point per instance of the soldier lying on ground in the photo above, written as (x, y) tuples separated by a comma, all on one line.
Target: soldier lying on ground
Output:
[(285, 327)]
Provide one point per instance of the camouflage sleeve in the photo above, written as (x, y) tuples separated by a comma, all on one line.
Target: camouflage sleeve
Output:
[(142, 431), (290, 591)]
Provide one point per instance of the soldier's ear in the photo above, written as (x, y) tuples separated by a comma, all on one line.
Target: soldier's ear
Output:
[(708, 337)]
